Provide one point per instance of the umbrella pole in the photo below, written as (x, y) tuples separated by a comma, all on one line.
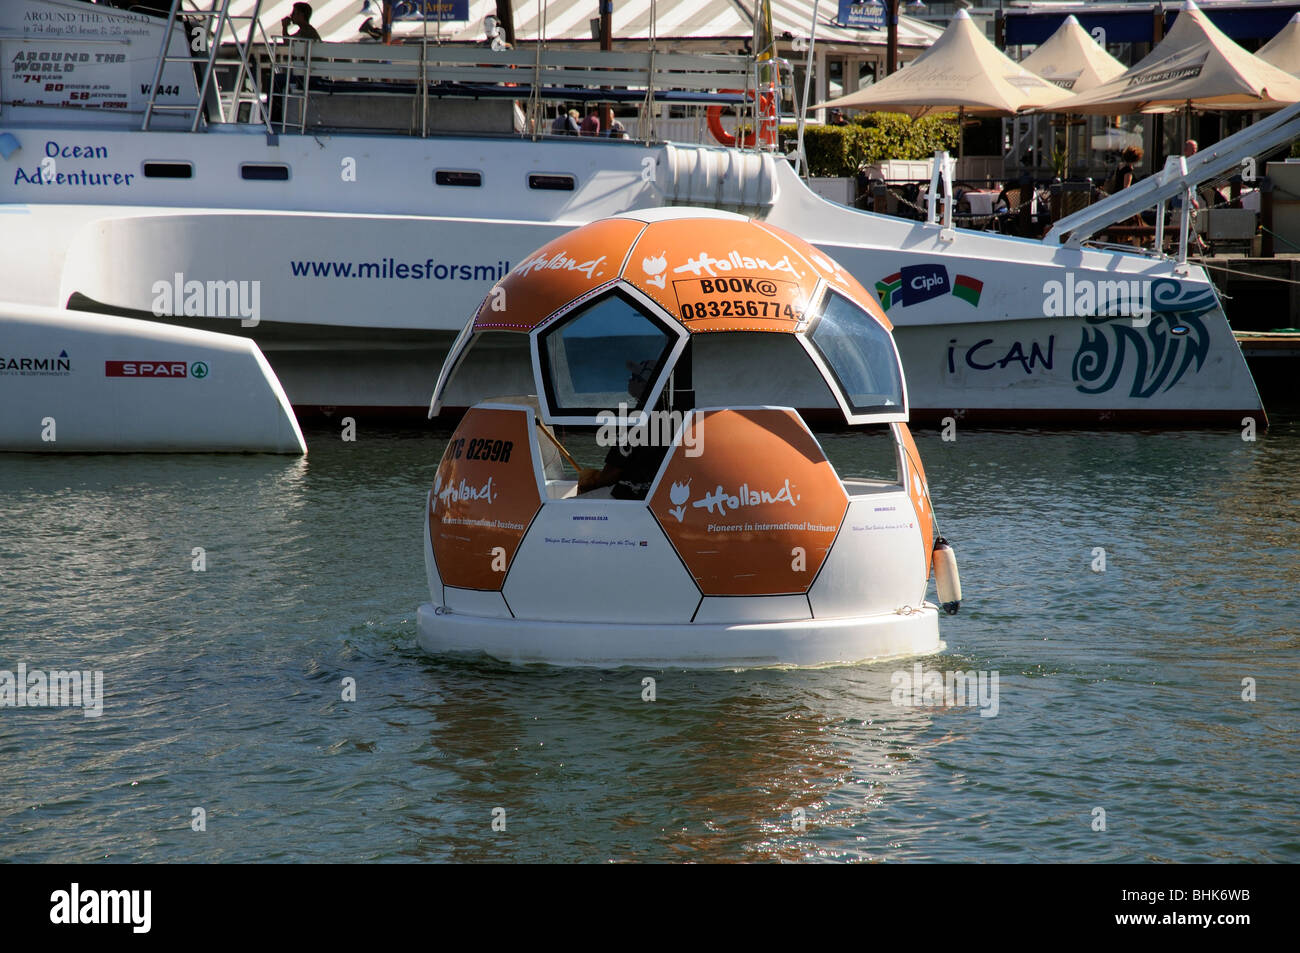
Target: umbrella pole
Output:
[(961, 132), (1067, 147)]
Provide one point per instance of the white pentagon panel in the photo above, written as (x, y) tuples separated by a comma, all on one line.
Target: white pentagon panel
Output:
[(430, 564), (753, 609), (480, 602), (602, 561), (877, 562)]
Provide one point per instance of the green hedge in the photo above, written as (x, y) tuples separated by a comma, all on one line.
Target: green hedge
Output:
[(868, 139)]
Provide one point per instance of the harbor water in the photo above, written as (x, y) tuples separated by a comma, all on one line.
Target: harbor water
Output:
[(1134, 593)]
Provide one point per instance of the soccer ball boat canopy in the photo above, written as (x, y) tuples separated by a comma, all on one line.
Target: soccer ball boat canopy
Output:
[(716, 533)]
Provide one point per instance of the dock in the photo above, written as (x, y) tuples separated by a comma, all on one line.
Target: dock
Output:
[(1259, 294), (1273, 357), (1257, 345), (1261, 297)]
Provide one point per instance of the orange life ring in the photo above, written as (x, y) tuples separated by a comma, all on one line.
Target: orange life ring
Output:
[(766, 121)]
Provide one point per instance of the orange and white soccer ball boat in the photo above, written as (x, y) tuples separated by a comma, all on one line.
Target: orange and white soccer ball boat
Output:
[(715, 533)]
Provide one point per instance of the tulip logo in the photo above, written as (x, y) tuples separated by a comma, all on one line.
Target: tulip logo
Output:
[(654, 267), (679, 493), (829, 267)]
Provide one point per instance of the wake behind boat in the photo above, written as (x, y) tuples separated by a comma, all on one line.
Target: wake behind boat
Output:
[(346, 204)]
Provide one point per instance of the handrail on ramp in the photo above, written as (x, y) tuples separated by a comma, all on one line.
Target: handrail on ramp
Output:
[(1179, 176)]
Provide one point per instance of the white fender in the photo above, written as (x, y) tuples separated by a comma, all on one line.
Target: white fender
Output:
[(946, 580)]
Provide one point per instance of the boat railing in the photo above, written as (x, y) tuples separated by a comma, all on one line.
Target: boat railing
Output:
[(941, 184), (1178, 180), (212, 66), (306, 70), (221, 48)]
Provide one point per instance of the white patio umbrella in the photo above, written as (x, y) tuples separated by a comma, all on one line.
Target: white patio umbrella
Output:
[(1283, 51), (1195, 66), (1072, 59), (961, 71)]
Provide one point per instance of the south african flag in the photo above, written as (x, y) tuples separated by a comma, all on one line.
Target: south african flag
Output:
[(889, 287)]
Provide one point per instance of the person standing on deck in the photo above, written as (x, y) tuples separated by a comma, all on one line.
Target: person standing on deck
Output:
[(612, 128), (1124, 175), (300, 17)]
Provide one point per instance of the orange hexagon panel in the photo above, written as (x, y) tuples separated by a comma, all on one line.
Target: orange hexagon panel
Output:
[(484, 496), (918, 490), (834, 274), (563, 270), (757, 509), (721, 274), (711, 273)]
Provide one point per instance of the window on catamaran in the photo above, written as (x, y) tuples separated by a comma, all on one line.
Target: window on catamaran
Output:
[(169, 170), (860, 354), (605, 354), (458, 177), (551, 182), (264, 171)]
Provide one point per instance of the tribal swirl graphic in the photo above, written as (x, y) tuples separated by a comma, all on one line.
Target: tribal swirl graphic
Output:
[(1160, 358), (1173, 297)]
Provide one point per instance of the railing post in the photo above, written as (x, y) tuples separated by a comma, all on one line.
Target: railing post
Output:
[(1266, 217), (1026, 210), (932, 195), (948, 192), (1184, 224)]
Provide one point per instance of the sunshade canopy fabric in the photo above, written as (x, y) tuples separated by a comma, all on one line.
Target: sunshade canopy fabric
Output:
[(1194, 65), (1283, 51), (339, 21), (1072, 59), (962, 70)]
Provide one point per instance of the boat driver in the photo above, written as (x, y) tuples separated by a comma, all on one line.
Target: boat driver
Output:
[(628, 470)]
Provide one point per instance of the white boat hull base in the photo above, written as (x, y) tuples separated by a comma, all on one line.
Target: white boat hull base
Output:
[(522, 570), (801, 643)]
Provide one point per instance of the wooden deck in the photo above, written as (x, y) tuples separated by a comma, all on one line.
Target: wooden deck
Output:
[(1256, 344)]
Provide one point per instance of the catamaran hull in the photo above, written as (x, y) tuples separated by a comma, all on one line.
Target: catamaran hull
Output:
[(1046, 372), (72, 382), (355, 309)]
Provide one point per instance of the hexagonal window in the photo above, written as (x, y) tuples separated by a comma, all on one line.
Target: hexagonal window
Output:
[(612, 350), (863, 362)]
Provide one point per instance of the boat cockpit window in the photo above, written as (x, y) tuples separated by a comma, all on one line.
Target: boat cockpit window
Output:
[(607, 353), (860, 355)]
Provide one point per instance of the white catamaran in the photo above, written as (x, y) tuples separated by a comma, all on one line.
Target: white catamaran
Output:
[(347, 204)]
